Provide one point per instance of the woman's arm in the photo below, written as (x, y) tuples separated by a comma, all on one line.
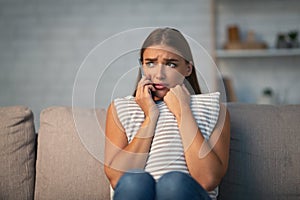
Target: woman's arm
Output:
[(207, 161), (121, 156)]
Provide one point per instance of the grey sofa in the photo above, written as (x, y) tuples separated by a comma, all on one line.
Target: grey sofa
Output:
[(58, 164)]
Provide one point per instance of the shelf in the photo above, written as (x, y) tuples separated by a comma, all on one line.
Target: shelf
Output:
[(257, 53)]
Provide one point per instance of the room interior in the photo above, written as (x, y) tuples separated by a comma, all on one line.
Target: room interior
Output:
[(63, 62), (44, 47)]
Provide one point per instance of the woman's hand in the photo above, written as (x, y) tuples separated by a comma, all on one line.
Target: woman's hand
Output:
[(144, 98), (178, 99)]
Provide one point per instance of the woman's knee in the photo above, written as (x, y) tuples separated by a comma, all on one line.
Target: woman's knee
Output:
[(172, 180), (135, 184), (179, 185), (136, 179)]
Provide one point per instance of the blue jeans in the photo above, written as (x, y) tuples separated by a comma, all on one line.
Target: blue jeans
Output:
[(140, 185)]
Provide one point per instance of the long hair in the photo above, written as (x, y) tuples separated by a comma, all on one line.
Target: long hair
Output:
[(171, 37)]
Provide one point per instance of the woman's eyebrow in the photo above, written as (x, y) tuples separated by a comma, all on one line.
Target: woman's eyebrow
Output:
[(171, 60), (150, 59)]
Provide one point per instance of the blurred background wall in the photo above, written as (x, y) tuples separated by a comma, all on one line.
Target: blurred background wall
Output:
[(43, 43)]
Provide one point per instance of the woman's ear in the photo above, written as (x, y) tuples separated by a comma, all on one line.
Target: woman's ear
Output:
[(189, 69)]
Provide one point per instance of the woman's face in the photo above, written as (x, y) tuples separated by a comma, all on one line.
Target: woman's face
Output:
[(165, 68)]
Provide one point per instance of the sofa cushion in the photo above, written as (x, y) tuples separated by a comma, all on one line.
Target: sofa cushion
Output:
[(264, 153), (66, 167), (17, 153)]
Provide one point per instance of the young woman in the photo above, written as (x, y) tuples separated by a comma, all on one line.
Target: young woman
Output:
[(167, 141)]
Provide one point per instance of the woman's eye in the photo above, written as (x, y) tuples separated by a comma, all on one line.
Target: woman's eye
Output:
[(150, 64), (172, 65)]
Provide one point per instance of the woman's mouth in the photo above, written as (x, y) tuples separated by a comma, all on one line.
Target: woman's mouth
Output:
[(159, 86)]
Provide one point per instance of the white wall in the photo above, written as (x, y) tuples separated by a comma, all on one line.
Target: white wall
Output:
[(251, 75), (43, 43)]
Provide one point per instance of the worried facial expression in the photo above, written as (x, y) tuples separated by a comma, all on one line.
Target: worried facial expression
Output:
[(165, 68)]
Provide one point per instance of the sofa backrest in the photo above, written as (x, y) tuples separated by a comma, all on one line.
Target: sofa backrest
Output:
[(65, 168), (264, 153), (17, 153)]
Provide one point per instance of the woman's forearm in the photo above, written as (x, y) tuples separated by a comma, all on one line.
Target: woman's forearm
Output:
[(203, 164), (135, 154), (132, 156)]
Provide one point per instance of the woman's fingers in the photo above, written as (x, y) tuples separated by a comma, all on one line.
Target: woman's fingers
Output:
[(149, 88), (180, 92), (144, 97), (144, 82), (145, 86)]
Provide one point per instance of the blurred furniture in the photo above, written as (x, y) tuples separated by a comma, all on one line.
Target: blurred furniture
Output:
[(246, 48), (56, 165), (264, 155)]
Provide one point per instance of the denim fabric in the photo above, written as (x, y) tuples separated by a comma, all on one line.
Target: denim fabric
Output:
[(140, 185), (135, 185)]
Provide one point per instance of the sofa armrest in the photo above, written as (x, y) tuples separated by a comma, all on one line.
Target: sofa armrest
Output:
[(17, 153)]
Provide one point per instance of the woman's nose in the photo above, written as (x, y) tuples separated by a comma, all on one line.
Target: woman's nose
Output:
[(160, 72)]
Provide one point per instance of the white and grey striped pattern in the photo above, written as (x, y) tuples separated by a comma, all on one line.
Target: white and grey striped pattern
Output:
[(166, 153)]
